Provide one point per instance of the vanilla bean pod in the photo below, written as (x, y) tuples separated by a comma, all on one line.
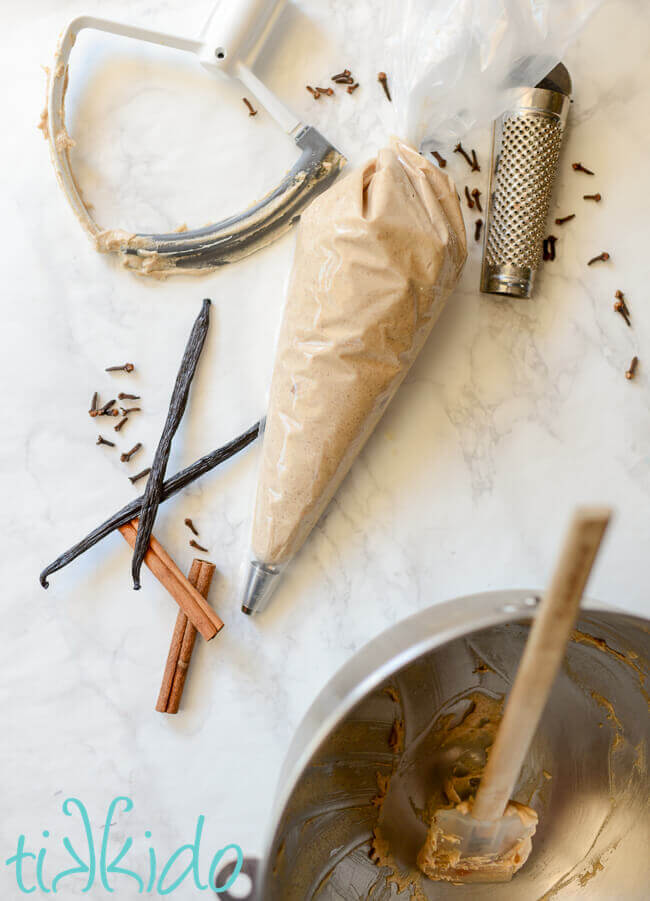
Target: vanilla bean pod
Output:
[(171, 487), (153, 491)]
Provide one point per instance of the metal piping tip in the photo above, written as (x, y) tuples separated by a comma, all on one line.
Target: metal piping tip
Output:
[(261, 582)]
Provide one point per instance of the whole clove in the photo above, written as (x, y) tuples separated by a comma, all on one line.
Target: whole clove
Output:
[(382, 78), (477, 229), (170, 487), (106, 409), (123, 396), (328, 91), (618, 294), (548, 248), (102, 440), (136, 478), (468, 198), (344, 77), (190, 525), (197, 546), (125, 367), (460, 149), (562, 219), (619, 307), (604, 256), (93, 405), (595, 197), (352, 88), (442, 162), (127, 410), (249, 106), (578, 167), (631, 372), (121, 424), (476, 194), (126, 456), (313, 91), (154, 490), (475, 165)]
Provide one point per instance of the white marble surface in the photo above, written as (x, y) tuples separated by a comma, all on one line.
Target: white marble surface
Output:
[(515, 412)]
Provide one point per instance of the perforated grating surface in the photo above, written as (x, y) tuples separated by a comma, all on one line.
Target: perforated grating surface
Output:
[(530, 149)]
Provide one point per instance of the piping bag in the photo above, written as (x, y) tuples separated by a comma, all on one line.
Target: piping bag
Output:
[(379, 252), (377, 255)]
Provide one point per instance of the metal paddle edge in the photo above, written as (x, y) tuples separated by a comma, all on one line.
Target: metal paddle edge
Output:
[(238, 236)]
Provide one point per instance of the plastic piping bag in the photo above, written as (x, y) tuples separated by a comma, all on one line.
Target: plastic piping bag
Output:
[(455, 64), (377, 256)]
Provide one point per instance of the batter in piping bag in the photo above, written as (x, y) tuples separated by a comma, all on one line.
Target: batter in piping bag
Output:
[(377, 256)]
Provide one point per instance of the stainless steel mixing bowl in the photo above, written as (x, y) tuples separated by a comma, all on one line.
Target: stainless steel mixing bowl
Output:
[(594, 833)]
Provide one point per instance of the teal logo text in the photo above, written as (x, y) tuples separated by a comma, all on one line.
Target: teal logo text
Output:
[(100, 867)]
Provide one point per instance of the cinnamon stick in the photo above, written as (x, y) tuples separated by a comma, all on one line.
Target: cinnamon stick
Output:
[(182, 643), (191, 602)]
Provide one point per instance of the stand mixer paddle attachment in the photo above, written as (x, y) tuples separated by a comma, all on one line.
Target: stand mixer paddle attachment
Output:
[(231, 42)]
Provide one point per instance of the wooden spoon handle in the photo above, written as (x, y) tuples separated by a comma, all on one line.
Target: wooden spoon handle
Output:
[(540, 661)]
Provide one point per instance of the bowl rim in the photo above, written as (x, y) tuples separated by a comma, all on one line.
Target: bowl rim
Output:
[(395, 647)]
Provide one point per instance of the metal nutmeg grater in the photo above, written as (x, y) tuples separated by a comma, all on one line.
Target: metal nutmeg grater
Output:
[(526, 145)]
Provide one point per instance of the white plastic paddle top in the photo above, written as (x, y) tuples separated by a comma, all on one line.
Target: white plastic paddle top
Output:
[(236, 31), (229, 45)]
